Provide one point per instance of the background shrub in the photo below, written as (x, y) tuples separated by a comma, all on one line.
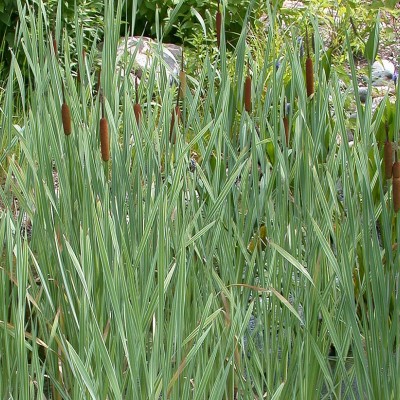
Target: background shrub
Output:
[(8, 21), (185, 21)]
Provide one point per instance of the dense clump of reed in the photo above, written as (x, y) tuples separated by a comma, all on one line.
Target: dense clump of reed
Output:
[(137, 109), (309, 70), (218, 23), (104, 142), (65, 115), (396, 185)]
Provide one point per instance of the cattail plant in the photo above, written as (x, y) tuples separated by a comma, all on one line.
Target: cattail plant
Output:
[(137, 108), (247, 91), (175, 117), (65, 115), (396, 184), (218, 23), (182, 79), (105, 146), (309, 70), (388, 156)]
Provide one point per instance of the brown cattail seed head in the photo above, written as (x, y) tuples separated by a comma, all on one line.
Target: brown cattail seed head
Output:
[(138, 112), (218, 22), (286, 126), (136, 108), (66, 118), (388, 159), (55, 47), (105, 146), (175, 112), (396, 186), (182, 80), (247, 94), (309, 77)]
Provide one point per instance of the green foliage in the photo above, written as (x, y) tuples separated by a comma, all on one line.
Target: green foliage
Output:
[(142, 276), (185, 17), (88, 13), (8, 23)]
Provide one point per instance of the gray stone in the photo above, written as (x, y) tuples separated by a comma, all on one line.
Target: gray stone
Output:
[(145, 50)]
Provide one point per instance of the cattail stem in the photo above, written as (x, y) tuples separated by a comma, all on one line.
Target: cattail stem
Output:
[(396, 185), (104, 142), (218, 22)]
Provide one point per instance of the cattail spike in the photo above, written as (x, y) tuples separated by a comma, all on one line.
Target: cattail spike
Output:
[(65, 114), (66, 119), (247, 91), (286, 126), (175, 117), (104, 142), (138, 112), (247, 94), (55, 46), (182, 82), (309, 77), (136, 89), (179, 95), (137, 108), (388, 159)]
